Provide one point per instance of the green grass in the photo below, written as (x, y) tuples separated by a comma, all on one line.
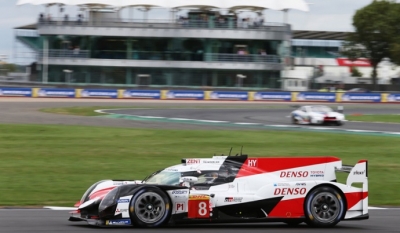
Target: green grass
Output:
[(375, 118), (90, 111), (54, 165)]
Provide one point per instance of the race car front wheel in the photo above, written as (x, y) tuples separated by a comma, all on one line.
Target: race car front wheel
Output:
[(324, 207), (150, 207)]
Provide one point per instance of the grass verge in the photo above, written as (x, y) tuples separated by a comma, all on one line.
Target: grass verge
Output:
[(375, 118), (90, 111), (54, 165)]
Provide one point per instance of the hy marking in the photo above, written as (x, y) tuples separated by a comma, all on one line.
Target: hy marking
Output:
[(227, 123)]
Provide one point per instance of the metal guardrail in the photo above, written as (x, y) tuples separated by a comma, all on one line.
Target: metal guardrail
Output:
[(161, 23), (161, 56)]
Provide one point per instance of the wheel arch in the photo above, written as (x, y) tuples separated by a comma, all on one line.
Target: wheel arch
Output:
[(331, 186)]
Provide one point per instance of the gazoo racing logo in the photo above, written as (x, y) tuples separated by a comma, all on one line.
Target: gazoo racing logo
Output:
[(292, 174), (289, 191), (233, 199), (179, 192)]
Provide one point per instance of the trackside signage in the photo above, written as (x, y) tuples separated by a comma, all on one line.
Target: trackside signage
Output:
[(227, 95), (194, 95), (141, 94), (25, 92), (88, 93), (393, 98), (314, 96), (271, 96), (55, 92), (361, 97)]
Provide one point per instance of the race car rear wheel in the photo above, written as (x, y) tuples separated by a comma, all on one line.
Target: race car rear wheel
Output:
[(150, 207), (324, 207)]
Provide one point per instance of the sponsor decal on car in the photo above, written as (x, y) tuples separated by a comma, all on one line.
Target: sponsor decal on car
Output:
[(301, 184), (281, 184), (252, 163), (179, 192), (121, 210), (118, 222), (123, 201), (199, 197), (317, 174), (290, 191), (233, 199), (211, 161), (294, 174), (120, 182), (192, 161), (357, 173)]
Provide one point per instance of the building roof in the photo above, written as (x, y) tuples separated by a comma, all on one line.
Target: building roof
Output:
[(319, 35), (221, 4)]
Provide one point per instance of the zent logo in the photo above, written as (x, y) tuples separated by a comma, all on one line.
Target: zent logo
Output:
[(290, 191), (192, 161), (252, 162), (294, 174)]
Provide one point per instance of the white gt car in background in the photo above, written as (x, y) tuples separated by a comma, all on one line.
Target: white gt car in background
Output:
[(316, 114)]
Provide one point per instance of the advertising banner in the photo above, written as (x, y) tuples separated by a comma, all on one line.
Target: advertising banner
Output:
[(361, 97), (53, 92), (270, 96), (140, 94), (391, 98), (96, 93), (359, 62), (194, 95), (13, 91), (226, 95), (314, 96)]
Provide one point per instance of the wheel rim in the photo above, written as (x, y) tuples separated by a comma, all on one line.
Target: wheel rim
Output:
[(149, 207), (325, 207)]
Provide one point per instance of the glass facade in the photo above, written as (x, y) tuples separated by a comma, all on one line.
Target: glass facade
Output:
[(162, 77)]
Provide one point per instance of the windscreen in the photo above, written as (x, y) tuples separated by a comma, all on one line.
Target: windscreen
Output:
[(323, 109), (164, 177)]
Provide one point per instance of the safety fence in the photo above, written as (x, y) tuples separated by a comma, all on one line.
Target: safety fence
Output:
[(200, 95)]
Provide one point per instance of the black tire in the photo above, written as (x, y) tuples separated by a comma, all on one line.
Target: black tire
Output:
[(324, 207), (339, 123), (150, 207)]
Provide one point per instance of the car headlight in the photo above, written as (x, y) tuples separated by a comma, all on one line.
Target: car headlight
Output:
[(109, 200)]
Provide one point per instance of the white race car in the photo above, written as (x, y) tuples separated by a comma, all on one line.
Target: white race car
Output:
[(232, 189), (316, 114)]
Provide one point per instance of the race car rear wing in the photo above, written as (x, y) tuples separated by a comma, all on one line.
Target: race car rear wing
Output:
[(357, 173)]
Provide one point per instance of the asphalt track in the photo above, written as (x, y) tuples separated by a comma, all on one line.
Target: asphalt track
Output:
[(33, 220), (260, 116), (40, 220)]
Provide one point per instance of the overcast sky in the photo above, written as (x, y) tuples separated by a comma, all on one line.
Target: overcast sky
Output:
[(324, 15)]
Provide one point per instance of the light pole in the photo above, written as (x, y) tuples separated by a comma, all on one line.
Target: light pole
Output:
[(240, 78), (68, 75)]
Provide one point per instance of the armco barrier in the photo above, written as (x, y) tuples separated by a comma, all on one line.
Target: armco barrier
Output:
[(329, 97)]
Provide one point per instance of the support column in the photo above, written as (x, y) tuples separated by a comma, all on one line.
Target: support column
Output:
[(214, 78), (45, 59), (129, 76), (129, 48)]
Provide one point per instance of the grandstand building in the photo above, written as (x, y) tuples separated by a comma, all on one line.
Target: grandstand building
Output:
[(208, 45)]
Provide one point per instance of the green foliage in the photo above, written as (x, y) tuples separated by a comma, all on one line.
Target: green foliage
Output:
[(376, 32), (355, 72), (7, 67)]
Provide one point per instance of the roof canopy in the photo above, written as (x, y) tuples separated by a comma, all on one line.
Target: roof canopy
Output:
[(219, 4)]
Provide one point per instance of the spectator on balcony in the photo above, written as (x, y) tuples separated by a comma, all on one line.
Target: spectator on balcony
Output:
[(76, 51), (41, 18), (80, 18), (66, 19)]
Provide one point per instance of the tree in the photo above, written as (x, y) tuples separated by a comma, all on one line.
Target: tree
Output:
[(376, 32)]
